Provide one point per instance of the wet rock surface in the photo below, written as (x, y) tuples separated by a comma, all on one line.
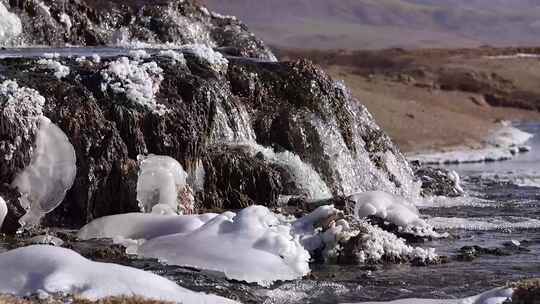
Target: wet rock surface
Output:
[(287, 106), (438, 182)]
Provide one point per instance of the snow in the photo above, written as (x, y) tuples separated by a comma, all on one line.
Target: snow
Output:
[(142, 226), (138, 81), (3, 211), (322, 229), (386, 206), (495, 296), (252, 246), (10, 25), (177, 58), (139, 54), (378, 243), (215, 59), (43, 184), (66, 21), (502, 144), (60, 70), (48, 270), (161, 182), (508, 136)]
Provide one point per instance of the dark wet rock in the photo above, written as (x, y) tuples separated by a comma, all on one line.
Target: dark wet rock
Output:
[(439, 182), (235, 180), (288, 106), (469, 253), (120, 23)]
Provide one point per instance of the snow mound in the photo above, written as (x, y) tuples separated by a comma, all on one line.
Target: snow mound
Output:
[(60, 70), (139, 82), (10, 25), (251, 246), (3, 211), (162, 185), (51, 173), (215, 59), (508, 136), (142, 226), (52, 270), (495, 296)]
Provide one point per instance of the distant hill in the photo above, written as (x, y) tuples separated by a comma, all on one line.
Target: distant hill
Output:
[(329, 24)]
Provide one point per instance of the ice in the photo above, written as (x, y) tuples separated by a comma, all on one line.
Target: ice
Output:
[(10, 25), (3, 211), (387, 207), (139, 82), (215, 59), (60, 70), (139, 54), (495, 296), (43, 184), (142, 226), (252, 246), (49, 270), (162, 181)]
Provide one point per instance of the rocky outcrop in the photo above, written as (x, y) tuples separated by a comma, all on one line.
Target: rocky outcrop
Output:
[(131, 22), (198, 114)]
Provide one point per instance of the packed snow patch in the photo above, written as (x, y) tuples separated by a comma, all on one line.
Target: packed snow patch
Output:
[(49, 270), (60, 70), (10, 25), (139, 82), (252, 245), (495, 296), (142, 226), (508, 136), (3, 211), (43, 184), (162, 185)]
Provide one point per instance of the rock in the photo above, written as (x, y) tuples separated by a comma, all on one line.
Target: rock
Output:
[(132, 23), (526, 291), (469, 253), (439, 182)]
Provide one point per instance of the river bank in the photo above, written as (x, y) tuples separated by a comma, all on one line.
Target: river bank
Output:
[(437, 100)]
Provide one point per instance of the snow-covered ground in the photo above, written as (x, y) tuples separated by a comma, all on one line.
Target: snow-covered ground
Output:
[(502, 144), (49, 270), (495, 296)]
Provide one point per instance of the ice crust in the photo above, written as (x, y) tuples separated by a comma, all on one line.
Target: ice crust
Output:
[(386, 206), (3, 211), (215, 59), (252, 246), (44, 183), (49, 270), (495, 296), (162, 180), (10, 25)]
